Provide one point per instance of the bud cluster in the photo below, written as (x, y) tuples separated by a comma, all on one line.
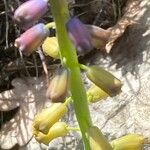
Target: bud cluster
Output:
[(84, 37)]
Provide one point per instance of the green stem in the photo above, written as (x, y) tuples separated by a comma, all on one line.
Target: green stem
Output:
[(68, 52), (73, 129), (68, 100), (85, 68)]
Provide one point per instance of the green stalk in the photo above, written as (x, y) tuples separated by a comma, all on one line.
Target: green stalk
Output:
[(68, 53)]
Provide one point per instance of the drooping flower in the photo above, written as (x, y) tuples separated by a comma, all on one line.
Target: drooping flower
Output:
[(129, 142), (58, 87), (99, 36), (49, 116), (59, 129), (31, 39), (104, 79), (29, 12), (95, 94), (79, 36)]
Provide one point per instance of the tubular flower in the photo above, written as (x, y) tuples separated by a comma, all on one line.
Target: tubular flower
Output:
[(29, 12), (79, 36), (129, 142), (105, 80), (57, 130), (58, 86), (99, 36), (48, 117), (31, 39), (95, 94)]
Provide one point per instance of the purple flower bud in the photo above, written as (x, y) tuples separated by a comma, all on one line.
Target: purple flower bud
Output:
[(79, 36), (29, 12), (31, 39)]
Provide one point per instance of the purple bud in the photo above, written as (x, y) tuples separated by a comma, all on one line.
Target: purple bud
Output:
[(31, 39), (29, 12), (79, 36)]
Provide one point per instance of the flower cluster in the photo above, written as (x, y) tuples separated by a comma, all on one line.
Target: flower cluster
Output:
[(84, 37), (29, 13), (46, 125), (26, 15)]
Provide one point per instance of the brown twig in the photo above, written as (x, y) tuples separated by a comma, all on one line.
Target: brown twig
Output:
[(43, 64)]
